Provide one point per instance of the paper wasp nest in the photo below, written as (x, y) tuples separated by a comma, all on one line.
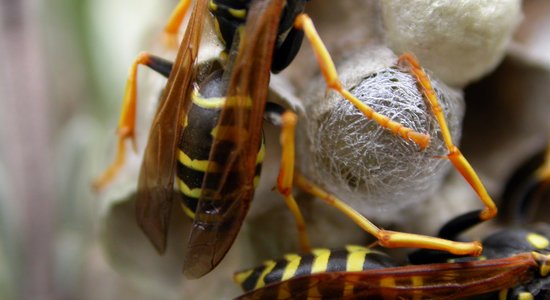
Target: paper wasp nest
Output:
[(362, 163)]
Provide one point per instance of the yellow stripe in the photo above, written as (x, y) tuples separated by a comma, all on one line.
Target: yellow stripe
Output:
[(292, 266), (356, 259), (212, 6), (355, 248), (261, 154), (417, 282), (208, 103), (348, 290), (184, 188), (256, 181), (188, 211), (196, 164), (240, 277), (243, 101), (454, 260), (234, 132), (525, 296), (320, 262), (238, 13), (268, 267), (545, 269), (184, 122), (538, 241), (387, 282), (313, 291), (502, 295), (348, 286)]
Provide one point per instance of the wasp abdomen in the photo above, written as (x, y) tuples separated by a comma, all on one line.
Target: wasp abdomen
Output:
[(199, 130), (352, 258)]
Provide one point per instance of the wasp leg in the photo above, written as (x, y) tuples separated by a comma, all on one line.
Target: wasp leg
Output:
[(455, 156), (174, 22), (127, 119), (386, 238), (328, 69), (286, 173)]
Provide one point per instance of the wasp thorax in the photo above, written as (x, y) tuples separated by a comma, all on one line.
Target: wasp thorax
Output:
[(366, 165)]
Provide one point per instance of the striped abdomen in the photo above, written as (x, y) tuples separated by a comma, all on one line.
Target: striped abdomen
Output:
[(352, 258), (194, 149)]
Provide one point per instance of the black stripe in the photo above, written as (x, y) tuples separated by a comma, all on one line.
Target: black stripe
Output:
[(196, 140), (251, 281), (189, 202), (304, 268), (192, 178), (277, 273), (374, 260), (337, 260), (224, 149)]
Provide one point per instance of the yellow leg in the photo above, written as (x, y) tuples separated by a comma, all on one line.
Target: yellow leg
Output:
[(455, 156), (172, 26), (386, 238), (328, 69), (126, 123), (286, 172)]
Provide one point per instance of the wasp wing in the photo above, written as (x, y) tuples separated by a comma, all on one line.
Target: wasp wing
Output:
[(156, 179), (227, 193), (434, 281)]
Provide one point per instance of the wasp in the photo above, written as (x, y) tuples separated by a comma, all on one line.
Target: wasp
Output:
[(206, 135), (515, 264), (359, 273)]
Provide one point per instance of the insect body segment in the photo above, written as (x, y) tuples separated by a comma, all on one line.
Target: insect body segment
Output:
[(199, 130), (352, 258), (209, 142), (230, 15), (433, 281), (515, 265)]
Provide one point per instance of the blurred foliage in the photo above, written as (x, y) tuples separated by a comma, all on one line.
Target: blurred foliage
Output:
[(86, 47)]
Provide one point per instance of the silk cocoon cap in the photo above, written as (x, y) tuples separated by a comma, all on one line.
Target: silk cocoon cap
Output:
[(355, 158), (459, 40)]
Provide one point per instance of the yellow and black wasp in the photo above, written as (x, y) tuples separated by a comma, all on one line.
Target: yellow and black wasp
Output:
[(515, 264), (207, 132)]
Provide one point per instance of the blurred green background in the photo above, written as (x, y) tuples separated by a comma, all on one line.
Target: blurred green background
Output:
[(63, 64)]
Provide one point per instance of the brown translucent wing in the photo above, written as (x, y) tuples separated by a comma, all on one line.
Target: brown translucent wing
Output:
[(435, 281), (226, 195), (156, 178)]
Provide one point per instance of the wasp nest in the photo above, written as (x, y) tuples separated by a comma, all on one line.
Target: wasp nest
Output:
[(361, 162)]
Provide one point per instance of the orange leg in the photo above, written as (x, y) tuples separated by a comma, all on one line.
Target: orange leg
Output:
[(286, 172), (126, 123), (455, 156), (328, 69), (390, 239), (174, 22), (386, 238)]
